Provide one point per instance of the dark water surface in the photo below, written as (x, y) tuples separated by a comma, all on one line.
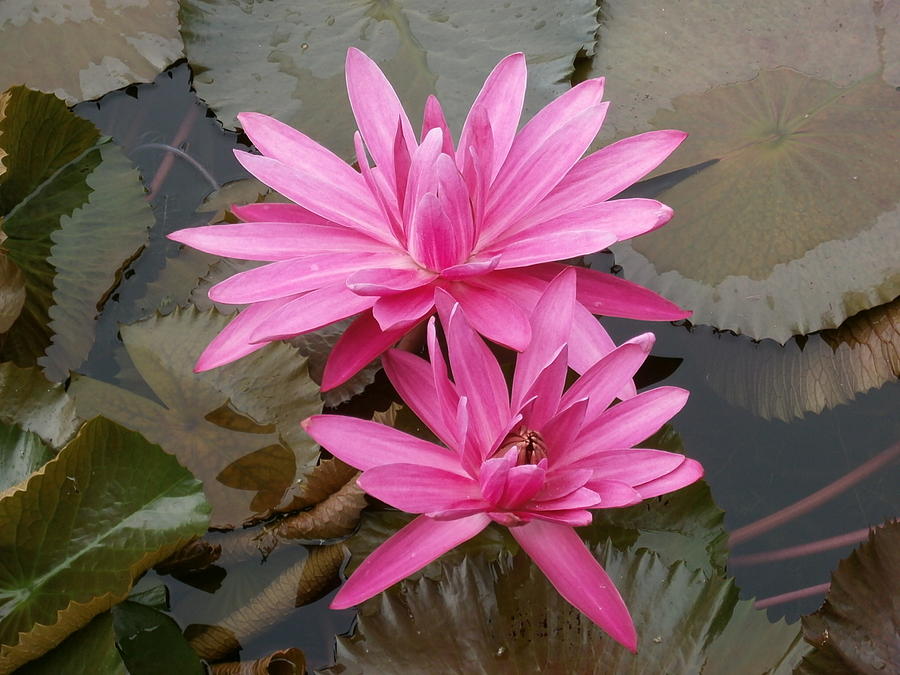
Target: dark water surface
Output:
[(754, 466)]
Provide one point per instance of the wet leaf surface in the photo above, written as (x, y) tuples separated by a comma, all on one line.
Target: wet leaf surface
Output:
[(814, 373), (264, 395), (21, 454), (30, 401), (12, 291), (75, 216), (503, 616), (81, 530), (89, 651), (288, 60), (806, 149), (97, 45), (857, 628), (151, 642)]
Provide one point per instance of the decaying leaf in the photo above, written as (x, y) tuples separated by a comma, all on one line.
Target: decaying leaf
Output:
[(283, 662), (858, 627), (302, 583), (78, 532), (812, 373), (265, 395), (327, 478), (194, 555)]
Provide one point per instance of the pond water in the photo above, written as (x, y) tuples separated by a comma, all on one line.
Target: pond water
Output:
[(755, 466)]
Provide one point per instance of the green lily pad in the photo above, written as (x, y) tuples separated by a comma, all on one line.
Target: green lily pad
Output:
[(857, 627), (89, 651), (504, 616), (30, 401), (75, 215), (813, 373), (78, 532), (12, 291), (287, 60), (212, 420), (796, 120), (21, 454), (93, 47)]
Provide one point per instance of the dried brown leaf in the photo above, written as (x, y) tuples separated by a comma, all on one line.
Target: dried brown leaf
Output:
[(326, 479), (283, 662), (196, 554)]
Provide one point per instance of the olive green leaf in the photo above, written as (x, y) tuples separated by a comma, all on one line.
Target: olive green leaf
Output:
[(212, 420), (89, 651), (799, 116), (287, 59), (75, 216), (29, 400), (12, 290), (811, 373), (78, 532), (151, 642), (21, 454), (857, 628), (91, 47), (504, 616)]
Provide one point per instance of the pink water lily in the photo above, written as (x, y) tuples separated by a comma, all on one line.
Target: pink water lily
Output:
[(534, 459), (482, 219)]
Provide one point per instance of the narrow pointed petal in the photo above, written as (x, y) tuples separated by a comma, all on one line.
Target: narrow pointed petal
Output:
[(635, 466), (551, 321), (542, 249), (384, 280), (493, 314), (568, 518), (311, 311), (522, 483), (383, 196), (419, 489), (406, 307), (291, 277), (477, 157), (470, 454), (277, 212), (579, 498), (233, 341), (588, 341), (377, 110), (501, 99), (412, 377), (447, 393), (433, 118), (409, 550), (476, 373), (563, 429), (422, 174), (277, 241), (366, 444), (607, 172), (361, 342), (340, 199), (614, 494), (547, 389), (603, 381), (561, 483), (454, 198), (492, 478), (431, 237), (473, 268), (688, 472), (628, 423), (578, 577), (520, 187)]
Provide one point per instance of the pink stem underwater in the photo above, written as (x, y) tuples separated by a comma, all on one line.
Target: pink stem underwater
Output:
[(184, 129), (793, 595), (800, 550), (816, 499)]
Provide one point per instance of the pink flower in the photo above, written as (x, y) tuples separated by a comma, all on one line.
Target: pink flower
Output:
[(482, 220), (534, 460)]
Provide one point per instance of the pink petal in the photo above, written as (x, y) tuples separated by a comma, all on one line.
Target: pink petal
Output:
[(562, 483), (405, 307), (569, 518), (473, 268), (579, 498), (522, 483), (276, 241), (377, 110), (688, 472), (614, 494), (277, 212), (422, 174), (493, 314), (311, 311), (454, 199), (299, 275), (500, 99), (433, 118), (627, 423), (634, 466), (476, 373), (408, 551), (547, 389), (603, 381), (447, 394), (233, 341), (341, 199), (588, 342), (380, 191), (551, 322), (493, 476), (413, 380), (366, 444), (401, 276), (430, 235), (541, 249), (415, 488), (607, 172), (561, 431), (361, 342), (578, 577), (616, 221)]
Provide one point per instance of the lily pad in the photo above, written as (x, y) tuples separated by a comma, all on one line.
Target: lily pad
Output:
[(796, 120), (212, 420), (857, 628), (78, 533), (287, 60), (12, 291), (30, 401), (482, 617), (89, 651), (21, 454), (81, 50), (812, 373), (75, 216)]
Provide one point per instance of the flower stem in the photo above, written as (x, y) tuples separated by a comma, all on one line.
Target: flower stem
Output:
[(800, 550), (793, 595)]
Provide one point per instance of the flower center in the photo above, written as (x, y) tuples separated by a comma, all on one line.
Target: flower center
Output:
[(527, 443)]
